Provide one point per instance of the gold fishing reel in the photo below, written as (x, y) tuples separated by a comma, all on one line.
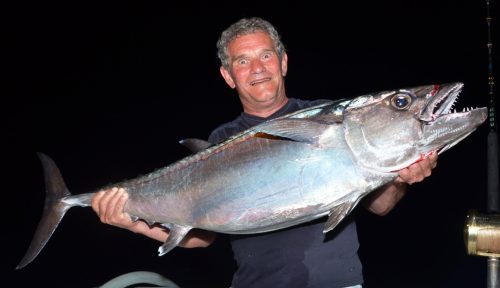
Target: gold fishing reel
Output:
[(482, 234)]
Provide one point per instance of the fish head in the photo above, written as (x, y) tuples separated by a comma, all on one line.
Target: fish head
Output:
[(390, 130)]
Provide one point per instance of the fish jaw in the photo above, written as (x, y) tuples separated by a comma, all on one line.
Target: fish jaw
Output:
[(443, 127), (441, 101)]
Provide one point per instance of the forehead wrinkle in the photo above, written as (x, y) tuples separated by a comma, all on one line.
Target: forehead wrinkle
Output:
[(254, 39)]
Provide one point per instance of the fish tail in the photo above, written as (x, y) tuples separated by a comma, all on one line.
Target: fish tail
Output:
[(53, 211)]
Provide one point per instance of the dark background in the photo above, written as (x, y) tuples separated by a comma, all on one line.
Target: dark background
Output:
[(107, 90)]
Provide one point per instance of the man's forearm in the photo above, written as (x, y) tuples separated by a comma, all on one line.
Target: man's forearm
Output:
[(383, 200)]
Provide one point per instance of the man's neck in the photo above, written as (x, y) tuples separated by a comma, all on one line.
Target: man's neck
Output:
[(265, 112)]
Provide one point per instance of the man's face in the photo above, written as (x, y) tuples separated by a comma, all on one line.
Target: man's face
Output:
[(256, 71)]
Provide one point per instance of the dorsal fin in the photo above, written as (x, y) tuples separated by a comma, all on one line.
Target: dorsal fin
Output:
[(195, 145)]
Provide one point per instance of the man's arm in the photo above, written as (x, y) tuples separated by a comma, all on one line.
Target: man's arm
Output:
[(108, 205), (382, 200)]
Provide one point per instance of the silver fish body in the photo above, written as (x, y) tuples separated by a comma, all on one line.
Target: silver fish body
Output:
[(311, 163), (269, 184)]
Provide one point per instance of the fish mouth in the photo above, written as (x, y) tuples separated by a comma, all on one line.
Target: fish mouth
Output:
[(442, 100), (258, 81), (444, 126)]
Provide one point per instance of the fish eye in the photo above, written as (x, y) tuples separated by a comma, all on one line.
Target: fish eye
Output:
[(401, 101)]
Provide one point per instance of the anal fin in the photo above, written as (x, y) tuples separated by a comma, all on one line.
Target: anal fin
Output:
[(175, 236), (337, 214)]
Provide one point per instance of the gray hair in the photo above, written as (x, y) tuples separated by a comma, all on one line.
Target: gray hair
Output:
[(247, 26)]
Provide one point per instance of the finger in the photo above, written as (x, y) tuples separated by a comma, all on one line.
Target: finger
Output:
[(430, 163), (412, 174), (113, 198), (407, 174), (426, 167), (122, 198), (98, 200), (104, 204), (403, 175), (399, 180), (95, 201), (418, 171), (433, 158)]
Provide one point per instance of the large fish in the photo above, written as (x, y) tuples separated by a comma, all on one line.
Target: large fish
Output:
[(315, 162)]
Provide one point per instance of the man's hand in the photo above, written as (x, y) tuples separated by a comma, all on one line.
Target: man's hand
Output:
[(383, 200), (418, 171), (109, 204)]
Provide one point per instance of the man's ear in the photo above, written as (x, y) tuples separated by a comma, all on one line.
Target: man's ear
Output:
[(284, 64), (227, 77)]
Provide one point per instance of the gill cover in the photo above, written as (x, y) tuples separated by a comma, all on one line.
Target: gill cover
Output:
[(382, 130)]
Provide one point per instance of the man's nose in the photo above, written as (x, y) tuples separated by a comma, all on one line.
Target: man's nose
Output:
[(258, 66)]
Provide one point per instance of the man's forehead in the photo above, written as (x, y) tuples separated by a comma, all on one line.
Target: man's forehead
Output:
[(253, 41)]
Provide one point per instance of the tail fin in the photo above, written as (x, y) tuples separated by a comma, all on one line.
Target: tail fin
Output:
[(53, 211)]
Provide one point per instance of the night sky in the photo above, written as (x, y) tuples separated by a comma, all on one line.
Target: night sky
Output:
[(107, 90)]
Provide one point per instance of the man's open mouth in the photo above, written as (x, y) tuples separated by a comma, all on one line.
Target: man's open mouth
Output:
[(258, 81)]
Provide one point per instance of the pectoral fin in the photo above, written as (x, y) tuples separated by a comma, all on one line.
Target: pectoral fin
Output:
[(337, 214), (300, 130), (175, 236)]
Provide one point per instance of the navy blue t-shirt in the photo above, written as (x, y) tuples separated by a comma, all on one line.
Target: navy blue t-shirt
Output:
[(300, 256)]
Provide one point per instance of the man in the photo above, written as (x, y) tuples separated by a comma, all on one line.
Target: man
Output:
[(254, 62)]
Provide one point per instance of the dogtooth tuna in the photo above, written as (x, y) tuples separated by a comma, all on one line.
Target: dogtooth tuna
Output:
[(316, 162)]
